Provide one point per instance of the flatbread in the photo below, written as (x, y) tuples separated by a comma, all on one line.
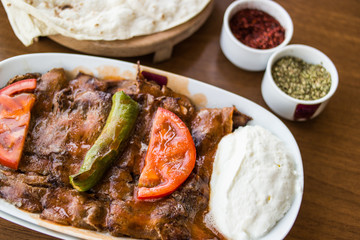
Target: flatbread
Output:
[(97, 20)]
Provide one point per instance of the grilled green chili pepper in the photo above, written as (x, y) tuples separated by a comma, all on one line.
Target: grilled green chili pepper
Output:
[(117, 129)]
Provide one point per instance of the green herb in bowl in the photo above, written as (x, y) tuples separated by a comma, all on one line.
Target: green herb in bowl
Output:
[(301, 80)]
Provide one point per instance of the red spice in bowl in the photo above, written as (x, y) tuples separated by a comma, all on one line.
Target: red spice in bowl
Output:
[(257, 29)]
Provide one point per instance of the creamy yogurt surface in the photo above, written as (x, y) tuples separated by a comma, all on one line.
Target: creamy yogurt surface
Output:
[(253, 183)]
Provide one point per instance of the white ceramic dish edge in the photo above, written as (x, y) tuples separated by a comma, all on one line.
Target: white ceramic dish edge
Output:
[(33, 226), (246, 57), (43, 62), (286, 106)]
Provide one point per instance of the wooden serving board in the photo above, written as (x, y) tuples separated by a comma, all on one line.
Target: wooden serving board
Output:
[(160, 43)]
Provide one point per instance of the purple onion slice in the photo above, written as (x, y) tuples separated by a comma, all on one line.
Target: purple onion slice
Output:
[(159, 79)]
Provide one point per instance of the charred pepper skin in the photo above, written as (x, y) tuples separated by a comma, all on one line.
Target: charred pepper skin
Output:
[(119, 125)]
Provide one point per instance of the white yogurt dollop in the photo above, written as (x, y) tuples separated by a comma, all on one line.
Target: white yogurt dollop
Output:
[(253, 183)]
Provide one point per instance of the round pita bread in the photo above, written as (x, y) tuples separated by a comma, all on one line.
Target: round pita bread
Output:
[(97, 20)]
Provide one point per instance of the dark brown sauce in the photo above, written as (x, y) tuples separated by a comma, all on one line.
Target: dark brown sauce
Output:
[(112, 204)]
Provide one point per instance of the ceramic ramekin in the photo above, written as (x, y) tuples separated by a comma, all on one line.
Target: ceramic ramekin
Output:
[(289, 107), (245, 57)]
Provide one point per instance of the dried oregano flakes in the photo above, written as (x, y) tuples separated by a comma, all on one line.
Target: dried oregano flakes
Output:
[(300, 79)]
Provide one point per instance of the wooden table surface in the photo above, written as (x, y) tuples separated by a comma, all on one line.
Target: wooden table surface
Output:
[(329, 144)]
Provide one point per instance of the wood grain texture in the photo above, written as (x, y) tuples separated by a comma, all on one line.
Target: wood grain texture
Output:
[(330, 144)]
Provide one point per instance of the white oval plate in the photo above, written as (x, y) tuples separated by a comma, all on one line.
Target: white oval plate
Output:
[(203, 95)]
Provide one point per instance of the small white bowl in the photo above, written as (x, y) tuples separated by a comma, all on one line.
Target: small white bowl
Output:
[(245, 57), (289, 107)]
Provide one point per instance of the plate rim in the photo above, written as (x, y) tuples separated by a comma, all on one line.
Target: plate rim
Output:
[(23, 61)]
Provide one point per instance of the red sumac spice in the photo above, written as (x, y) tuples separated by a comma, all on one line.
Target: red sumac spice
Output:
[(257, 29)]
